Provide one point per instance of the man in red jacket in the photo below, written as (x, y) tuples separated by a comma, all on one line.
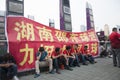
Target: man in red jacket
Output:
[(115, 44)]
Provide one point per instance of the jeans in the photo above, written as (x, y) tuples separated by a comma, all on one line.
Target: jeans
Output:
[(116, 56), (10, 71), (76, 61), (64, 62), (56, 63), (90, 58), (71, 60), (82, 58)]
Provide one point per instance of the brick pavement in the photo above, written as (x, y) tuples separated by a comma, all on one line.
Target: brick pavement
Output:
[(102, 70)]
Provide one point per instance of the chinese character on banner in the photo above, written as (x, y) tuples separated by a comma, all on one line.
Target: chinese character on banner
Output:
[(29, 52), (84, 37), (94, 48), (49, 49), (63, 48), (45, 34), (25, 31), (92, 36), (61, 36), (79, 47), (74, 37)]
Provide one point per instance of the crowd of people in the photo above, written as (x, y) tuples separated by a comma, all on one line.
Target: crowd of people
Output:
[(69, 58), (72, 55)]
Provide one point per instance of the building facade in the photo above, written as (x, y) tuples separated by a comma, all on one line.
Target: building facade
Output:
[(2, 25), (83, 28), (106, 30), (89, 17), (3, 42), (15, 7), (51, 23), (65, 16)]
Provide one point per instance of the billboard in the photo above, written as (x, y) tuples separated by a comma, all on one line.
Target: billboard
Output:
[(65, 16), (89, 17), (15, 7)]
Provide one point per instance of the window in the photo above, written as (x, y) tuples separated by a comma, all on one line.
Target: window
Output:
[(66, 3), (91, 18), (2, 25), (92, 24), (2, 31), (66, 10), (2, 19), (67, 17), (68, 26), (15, 7)]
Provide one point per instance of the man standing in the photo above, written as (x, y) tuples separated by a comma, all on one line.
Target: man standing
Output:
[(115, 45), (42, 55)]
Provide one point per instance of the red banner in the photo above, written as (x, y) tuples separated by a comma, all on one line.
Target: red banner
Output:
[(26, 36)]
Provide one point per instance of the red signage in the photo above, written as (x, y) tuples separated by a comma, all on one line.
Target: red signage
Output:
[(26, 36)]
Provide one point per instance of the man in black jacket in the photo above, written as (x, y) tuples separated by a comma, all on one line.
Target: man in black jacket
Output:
[(8, 65)]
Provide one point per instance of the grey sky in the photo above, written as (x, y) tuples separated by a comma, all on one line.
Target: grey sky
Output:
[(104, 11)]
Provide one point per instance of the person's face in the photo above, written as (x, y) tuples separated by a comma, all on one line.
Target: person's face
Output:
[(41, 51), (115, 30), (75, 46), (58, 51), (69, 50), (85, 48)]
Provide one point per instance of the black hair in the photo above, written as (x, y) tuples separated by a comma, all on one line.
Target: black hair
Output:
[(57, 49), (41, 49), (114, 29), (85, 46), (68, 47), (9, 56), (76, 45)]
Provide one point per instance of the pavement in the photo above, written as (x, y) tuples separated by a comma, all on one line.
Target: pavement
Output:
[(102, 70)]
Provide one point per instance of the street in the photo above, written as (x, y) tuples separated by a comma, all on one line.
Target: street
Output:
[(102, 70)]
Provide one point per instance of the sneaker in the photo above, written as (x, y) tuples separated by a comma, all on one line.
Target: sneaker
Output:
[(78, 65), (92, 62), (58, 72), (69, 69), (95, 61), (52, 72), (72, 66), (15, 78), (36, 75), (115, 65), (85, 64)]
